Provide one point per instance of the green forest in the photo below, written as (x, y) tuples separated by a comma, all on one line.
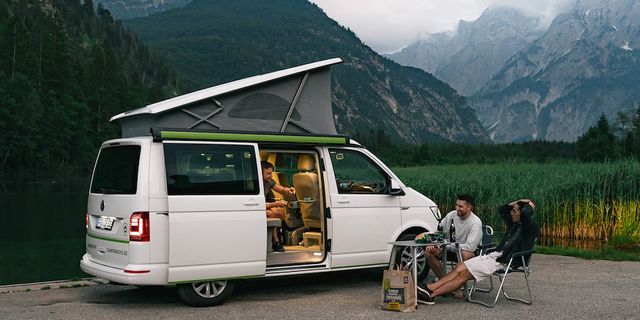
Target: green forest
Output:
[(65, 69), (605, 142)]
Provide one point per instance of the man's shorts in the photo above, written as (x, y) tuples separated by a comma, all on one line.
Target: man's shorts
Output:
[(482, 267)]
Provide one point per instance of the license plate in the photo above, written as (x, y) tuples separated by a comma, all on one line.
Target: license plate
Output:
[(105, 223)]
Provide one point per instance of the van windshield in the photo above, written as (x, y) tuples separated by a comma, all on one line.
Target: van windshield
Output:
[(117, 170)]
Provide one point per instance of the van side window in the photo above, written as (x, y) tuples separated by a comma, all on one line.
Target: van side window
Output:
[(117, 170), (208, 169), (356, 173)]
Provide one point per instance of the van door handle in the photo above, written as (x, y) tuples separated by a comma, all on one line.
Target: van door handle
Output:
[(251, 203), (343, 200)]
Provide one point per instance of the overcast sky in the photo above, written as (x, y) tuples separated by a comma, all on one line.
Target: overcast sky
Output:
[(389, 25)]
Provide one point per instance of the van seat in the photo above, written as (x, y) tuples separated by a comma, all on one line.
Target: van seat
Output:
[(308, 191), (311, 237)]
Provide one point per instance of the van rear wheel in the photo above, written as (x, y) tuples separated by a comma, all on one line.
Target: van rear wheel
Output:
[(404, 258), (205, 293)]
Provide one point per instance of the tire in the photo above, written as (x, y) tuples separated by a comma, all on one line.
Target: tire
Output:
[(206, 293), (403, 257)]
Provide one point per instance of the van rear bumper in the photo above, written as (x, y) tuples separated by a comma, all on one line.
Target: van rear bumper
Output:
[(157, 275)]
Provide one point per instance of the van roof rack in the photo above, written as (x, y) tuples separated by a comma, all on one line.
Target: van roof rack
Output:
[(161, 134)]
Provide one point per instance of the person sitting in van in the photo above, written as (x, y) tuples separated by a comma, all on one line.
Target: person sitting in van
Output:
[(464, 228), (274, 207)]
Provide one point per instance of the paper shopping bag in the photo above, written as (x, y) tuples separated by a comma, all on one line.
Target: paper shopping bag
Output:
[(398, 293)]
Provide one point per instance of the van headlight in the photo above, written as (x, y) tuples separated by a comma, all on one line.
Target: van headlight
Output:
[(436, 212)]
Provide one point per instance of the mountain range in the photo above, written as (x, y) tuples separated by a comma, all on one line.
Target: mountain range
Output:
[(477, 50), (554, 87), (212, 42), (585, 65)]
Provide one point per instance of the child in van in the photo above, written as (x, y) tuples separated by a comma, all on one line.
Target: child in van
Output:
[(274, 208)]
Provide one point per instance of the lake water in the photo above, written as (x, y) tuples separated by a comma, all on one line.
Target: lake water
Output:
[(43, 236)]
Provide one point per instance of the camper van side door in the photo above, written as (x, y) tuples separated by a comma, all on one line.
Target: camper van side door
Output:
[(217, 223), (364, 215)]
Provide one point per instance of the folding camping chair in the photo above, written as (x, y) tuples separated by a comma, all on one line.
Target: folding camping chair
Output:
[(502, 274)]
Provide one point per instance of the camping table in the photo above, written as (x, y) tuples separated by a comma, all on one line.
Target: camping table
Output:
[(414, 267)]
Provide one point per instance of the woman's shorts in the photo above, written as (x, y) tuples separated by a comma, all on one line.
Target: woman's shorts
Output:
[(482, 267)]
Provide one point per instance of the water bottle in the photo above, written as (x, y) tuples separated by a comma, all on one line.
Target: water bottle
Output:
[(452, 232)]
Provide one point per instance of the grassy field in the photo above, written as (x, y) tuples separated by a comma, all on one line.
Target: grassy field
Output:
[(598, 201)]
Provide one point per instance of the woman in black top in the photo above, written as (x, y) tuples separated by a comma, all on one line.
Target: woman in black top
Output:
[(521, 230)]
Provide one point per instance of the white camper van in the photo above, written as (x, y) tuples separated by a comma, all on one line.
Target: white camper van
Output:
[(186, 206)]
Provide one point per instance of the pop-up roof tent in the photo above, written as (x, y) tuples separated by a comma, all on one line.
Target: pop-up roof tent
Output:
[(295, 100)]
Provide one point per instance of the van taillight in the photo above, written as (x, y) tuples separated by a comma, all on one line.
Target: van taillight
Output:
[(86, 223), (139, 226)]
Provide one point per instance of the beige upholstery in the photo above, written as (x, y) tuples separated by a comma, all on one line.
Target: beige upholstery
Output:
[(308, 191), (311, 238)]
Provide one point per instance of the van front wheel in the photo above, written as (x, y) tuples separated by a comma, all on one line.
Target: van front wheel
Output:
[(206, 293)]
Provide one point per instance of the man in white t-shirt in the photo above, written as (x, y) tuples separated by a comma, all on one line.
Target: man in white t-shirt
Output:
[(468, 234)]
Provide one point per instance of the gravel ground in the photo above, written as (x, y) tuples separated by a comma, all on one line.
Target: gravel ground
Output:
[(563, 288)]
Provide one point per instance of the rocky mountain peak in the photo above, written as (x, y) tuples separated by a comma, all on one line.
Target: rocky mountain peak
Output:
[(467, 58), (558, 86)]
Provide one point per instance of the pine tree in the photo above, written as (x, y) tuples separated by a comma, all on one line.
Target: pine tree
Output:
[(597, 144)]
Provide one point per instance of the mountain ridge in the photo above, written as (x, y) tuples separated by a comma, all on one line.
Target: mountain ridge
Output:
[(582, 67), (212, 42), (477, 48)]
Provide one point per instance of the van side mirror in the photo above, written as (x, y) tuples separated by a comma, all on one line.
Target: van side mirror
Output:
[(395, 189)]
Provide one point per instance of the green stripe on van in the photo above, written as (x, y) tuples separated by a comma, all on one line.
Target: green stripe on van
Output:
[(219, 279), (108, 239), (250, 137)]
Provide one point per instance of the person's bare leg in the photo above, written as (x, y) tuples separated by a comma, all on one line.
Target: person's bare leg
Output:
[(434, 262), (448, 277), (275, 213), (452, 281), (466, 255)]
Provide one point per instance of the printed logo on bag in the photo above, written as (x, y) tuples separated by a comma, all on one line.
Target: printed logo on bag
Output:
[(394, 295), (405, 280)]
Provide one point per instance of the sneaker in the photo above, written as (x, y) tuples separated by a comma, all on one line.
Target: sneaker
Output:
[(277, 246), (424, 295)]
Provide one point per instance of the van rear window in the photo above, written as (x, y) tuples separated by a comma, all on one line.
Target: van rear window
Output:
[(210, 169), (117, 170)]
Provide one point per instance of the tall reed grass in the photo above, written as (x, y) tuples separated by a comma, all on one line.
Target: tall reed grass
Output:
[(598, 201)]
